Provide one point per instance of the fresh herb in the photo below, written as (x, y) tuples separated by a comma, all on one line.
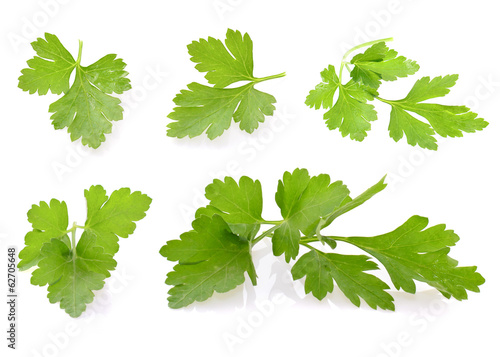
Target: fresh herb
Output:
[(216, 254), (203, 108), (352, 114), (74, 269), (86, 108)]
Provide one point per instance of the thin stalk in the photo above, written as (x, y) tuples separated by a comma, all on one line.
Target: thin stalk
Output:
[(263, 235), (73, 238), (366, 44), (257, 80), (272, 222), (311, 247), (80, 47), (316, 239)]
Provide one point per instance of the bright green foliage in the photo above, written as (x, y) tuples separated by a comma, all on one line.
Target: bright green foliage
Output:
[(208, 109), (113, 217), (303, 202), (48, 222), (216, 254), (72, 276), (352, 115), (86, 108), (320, 269), (411, 253), (74, 269), (379, 63), (211, 258), (237, 203), (444, 120)]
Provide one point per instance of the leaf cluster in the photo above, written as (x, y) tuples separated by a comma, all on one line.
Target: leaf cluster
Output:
[(217, 253), (72, 268), (411, 116)]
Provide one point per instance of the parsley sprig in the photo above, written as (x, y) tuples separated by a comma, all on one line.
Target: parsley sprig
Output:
[(73, 268), (216, 254), (352, 114), (202, 108), (87, 109)]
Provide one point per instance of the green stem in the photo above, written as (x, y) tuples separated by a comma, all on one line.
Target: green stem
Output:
[(272, 222), (342, 65), (316, 239), (263, 235), (80, 47), (257, 80), (311, 247), (308, 240), (366, 44), (73, 237)]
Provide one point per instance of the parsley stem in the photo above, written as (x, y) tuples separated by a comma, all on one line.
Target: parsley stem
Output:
[(311, 247), (366, 44), (316, 239), (263, 235), (257, 80), (80, 47), (73, 238), (387, 101), (272, 222)]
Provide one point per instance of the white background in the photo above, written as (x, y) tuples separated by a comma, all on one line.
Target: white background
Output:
[(458, 185)]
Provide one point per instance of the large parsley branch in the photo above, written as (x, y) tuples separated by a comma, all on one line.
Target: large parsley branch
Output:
[(214, 256)]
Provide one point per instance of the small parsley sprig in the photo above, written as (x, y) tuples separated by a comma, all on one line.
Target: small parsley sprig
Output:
[(216, 254), (352, 114), (73, 268), (86, 108), (202, 108)]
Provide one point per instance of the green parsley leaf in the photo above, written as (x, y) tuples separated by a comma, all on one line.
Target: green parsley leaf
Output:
[(322, 95), (445, 120), (113, 217), (211, 109), (238, 203), (303, 201), (73, 275), (411, 253), (224, 65), (211, 259), (215, 255), (379, 63), (86, 107), (74, 269), (352, 114), (48, 222), (348, 271)]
